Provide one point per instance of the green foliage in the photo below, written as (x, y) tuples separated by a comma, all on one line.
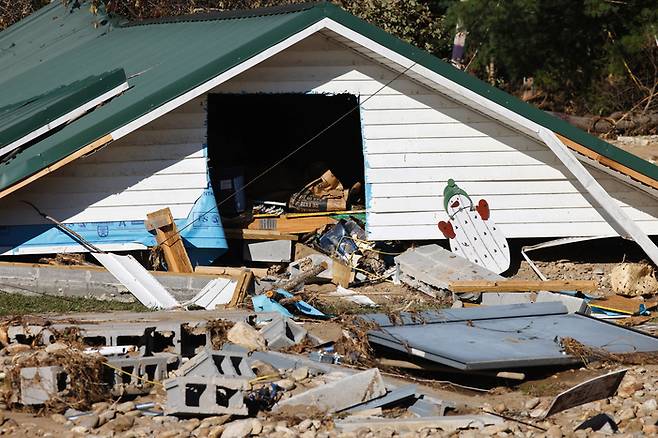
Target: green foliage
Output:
[(574, 49)]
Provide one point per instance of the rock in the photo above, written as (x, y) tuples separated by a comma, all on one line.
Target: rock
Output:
[(80, 429), (554, 432), (532, 403), (650, 429), (216, 432), (17, 348), (55, 347), (58, 418), (500, 408), (119, 424), (100, 407), (135, 413), (165, 419), (536, 413), (628, 389), (625, 414), (633, 426), (125, 407), (190, 425), (650, 405), (214, 421), (285, 384), (246, 336), (256, 426), (106, 416), (87, 421), (305, 425), (299, 374), (238, 428), (308, 434)]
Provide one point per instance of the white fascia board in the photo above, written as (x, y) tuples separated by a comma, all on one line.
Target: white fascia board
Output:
[(619, 220), (217, 80), (55, 249), (66, 118)]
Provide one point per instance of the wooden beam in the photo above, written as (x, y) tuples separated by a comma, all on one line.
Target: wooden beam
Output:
[(608, 162), (168, 238), (285, 224), (53, 167), (521, 285), (229, 271), (245, 281), (240, 234)]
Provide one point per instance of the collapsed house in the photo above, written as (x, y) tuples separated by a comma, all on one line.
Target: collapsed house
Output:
[(104, 121)]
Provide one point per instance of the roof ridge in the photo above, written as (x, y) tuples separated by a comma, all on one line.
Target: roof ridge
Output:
[(230, 14)]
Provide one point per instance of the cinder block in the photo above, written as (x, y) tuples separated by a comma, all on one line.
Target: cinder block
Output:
[(135, 369), (39, 384), (340, 394), (199, 395), (282, 333), (218, 363)]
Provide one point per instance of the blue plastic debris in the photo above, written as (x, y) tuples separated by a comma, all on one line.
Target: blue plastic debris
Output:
[(263, 303)]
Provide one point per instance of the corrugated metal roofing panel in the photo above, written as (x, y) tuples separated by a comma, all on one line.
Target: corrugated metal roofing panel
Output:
[(39, 114), (503, 337)]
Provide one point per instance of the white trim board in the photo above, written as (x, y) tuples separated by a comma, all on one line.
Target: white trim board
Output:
[(66, 118)]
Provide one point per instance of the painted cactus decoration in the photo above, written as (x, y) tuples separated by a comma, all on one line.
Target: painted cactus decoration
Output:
[(471, 232)]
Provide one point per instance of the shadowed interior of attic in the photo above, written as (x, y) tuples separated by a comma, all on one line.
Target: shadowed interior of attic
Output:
[(249, 133)]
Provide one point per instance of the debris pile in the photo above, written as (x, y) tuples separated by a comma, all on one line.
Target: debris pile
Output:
[(347, 337)]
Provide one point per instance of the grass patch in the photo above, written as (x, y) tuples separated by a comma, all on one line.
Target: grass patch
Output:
[(18, 304)]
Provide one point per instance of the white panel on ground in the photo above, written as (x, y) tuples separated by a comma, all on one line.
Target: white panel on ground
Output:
[(137, 280)]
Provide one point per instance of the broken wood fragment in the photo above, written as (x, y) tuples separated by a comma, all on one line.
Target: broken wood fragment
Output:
[(229, 271), (245, 281), (521, 285), (168, 238), (241, 234)]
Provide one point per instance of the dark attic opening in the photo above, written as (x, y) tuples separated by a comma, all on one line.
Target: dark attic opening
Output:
[(249, 133)]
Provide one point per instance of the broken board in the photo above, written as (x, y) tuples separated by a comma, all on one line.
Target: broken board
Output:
[(591, 390), (471, 231)]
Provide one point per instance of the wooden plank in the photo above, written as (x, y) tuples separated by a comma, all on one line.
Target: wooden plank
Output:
[(421, 115), (245, 281), (451, 159), (292, 225), (608, 162), (510, 216), (59, 164), (143, 168), (168, 238), (476, 129), (229, 271), (619, 304), (522, 285), (242, 234), (451, 144), (488, 188), (471, 173)]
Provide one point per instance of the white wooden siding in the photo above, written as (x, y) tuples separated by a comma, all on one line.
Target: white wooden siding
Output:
[(416, 139), (161, 165)]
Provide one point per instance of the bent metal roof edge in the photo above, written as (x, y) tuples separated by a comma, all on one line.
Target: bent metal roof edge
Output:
[(301, 18)]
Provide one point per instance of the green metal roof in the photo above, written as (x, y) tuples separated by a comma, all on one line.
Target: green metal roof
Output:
[(20, 119), (166, 58)]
